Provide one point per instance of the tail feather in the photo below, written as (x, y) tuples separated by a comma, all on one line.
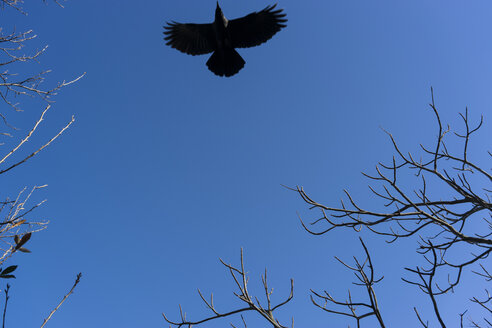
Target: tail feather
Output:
[(225, 63)]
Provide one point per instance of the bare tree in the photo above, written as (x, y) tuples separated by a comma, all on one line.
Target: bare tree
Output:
[(15, 210), (441, 224), (16, 222), (455, 221)]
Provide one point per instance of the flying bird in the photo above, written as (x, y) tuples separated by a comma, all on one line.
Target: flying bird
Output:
[(222, 37)]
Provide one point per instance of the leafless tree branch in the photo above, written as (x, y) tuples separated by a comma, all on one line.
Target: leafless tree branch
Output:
[(252, 303), (16, 226), (444, 226), (17, 5), (364, 271), (6, 291), (77, 280)]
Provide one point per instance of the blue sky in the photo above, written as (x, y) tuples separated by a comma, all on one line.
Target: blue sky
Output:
[(168, 167)]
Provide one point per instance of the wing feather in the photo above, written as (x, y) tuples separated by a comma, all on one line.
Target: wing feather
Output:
[(192, 39), (256, 28)]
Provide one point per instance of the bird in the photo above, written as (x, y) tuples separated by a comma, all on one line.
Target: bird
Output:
[(223, 36)]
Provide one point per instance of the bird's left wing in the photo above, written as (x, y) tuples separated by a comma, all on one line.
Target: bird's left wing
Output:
[(192, 39), (256, 28)]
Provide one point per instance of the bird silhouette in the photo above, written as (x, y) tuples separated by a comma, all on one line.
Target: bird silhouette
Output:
[(222, 37)]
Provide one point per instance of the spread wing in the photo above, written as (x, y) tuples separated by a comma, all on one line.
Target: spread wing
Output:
[(192, 39), (256, 28)]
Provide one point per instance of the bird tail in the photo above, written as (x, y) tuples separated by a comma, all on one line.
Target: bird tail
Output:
[(225, 63)]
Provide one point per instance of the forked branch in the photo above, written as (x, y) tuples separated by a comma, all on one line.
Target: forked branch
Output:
[(364, 272), (458, 220), (251, 302)]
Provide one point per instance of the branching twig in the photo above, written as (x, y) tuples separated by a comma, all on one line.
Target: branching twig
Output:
[(240, 278), (442, 224), (364, 271)]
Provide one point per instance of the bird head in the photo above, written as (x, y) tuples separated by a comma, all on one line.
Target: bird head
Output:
[(218, 13)]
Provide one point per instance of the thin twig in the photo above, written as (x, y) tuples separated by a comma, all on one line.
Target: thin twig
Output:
[(77, 280), (5, 306)]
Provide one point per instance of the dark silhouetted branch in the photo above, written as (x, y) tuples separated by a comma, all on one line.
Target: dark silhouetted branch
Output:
[(252, 303), (364, 271), (458, 220), (6, 291)]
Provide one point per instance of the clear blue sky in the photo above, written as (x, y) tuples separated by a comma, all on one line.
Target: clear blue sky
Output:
[(168, 167)]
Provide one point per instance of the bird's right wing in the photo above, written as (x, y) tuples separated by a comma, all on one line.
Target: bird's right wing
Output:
[(192, 39), (256, 28)]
